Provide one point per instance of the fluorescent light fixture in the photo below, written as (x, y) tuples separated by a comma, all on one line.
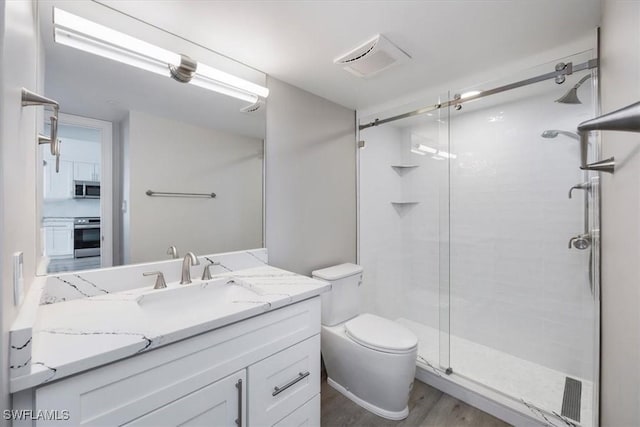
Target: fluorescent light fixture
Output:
[(74, 31), (211, 73), (427, 149)]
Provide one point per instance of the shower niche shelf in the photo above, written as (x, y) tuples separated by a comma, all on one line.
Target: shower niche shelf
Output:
[(402, 169), (404, 203), (405, 166)]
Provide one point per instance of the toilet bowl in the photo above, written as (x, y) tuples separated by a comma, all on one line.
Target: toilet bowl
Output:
[(369, 359)]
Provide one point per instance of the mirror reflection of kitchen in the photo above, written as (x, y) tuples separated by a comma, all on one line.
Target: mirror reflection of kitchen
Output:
[(71, 235)]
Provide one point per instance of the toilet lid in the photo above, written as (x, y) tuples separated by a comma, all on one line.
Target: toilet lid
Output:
[(380, 334)]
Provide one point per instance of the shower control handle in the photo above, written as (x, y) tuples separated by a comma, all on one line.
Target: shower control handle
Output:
[(581, 241)]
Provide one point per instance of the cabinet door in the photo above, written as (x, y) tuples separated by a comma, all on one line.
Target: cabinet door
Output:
[(96, 172), (59, 240), (58, 185), (219, 404), (83, 171)]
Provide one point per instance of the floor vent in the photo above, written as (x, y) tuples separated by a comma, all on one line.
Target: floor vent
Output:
[(571, 399)]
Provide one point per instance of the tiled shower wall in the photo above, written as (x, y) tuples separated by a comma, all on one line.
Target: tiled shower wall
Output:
[(514, 285)]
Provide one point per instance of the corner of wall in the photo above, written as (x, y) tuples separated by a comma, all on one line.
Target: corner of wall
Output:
[(620, 295), (310, 188), (20, 52)]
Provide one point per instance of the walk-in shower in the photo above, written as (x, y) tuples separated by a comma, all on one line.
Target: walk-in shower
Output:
[(469, 250)]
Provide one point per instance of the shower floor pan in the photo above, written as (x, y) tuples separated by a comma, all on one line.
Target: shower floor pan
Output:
[(539, 388)]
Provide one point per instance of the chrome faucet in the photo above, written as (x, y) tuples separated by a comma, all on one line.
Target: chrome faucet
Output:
[(173, 251), (206, 272), (189, 259), (160, 282), (582, 186)]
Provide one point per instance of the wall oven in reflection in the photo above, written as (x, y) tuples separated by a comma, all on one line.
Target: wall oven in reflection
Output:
[(86, 237)]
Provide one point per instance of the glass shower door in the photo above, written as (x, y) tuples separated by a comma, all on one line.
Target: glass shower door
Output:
[(523, 304), (404, 190)]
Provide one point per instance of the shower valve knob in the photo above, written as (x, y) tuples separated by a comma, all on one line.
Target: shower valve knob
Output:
[(580, 242)]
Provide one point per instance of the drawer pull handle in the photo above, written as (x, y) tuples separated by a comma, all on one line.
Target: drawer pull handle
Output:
[(239, 387), (277, 390)]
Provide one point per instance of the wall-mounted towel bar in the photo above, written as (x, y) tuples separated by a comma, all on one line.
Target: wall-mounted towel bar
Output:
[(33, 99), (168, 194), (625, 119)]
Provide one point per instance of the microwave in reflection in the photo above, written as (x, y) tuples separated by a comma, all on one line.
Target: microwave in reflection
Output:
[(86, 190)]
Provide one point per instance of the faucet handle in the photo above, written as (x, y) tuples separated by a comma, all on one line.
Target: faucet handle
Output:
[(173, 251), (160, 282), (206, 273)]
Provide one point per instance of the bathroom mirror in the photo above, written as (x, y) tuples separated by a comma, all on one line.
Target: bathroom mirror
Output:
[(130, 140)]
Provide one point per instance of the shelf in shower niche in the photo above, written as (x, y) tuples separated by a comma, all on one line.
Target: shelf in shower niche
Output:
[(404, 202), (403, 168)]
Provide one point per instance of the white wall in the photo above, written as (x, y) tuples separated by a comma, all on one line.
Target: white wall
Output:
[(381, 242), (620, 363), (18, 161), (310, 180), (166, 155)]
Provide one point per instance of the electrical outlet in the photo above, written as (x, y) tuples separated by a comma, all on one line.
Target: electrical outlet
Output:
[(18, 278)]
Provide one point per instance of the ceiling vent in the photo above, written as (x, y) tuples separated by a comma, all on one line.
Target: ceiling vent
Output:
[(253, 107), (372, 57)]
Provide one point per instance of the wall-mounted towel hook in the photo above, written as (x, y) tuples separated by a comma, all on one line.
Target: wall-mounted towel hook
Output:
[(33, 99)]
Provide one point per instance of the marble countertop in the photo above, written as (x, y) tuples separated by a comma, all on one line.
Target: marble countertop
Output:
[(75, 335)]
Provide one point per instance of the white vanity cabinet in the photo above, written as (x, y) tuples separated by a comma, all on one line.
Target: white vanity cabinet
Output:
[(220, 403), (262, 371)]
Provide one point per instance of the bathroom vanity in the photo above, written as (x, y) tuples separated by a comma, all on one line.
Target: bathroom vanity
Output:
[(241, 349)]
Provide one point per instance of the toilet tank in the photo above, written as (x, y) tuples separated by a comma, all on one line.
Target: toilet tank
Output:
[(342, 302)]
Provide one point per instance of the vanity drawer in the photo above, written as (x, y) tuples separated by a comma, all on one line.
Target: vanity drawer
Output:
[(281, 383), (308, 415)]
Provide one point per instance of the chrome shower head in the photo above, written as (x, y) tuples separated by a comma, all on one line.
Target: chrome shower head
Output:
[(553, 133), (571, 97)]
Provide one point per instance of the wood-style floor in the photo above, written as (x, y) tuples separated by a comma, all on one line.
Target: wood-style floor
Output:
[(428, 407)]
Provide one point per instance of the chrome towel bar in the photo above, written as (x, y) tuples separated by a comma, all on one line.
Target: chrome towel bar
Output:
[(168, 194)]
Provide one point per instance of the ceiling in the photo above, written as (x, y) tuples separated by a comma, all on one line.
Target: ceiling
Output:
[(296, 41)]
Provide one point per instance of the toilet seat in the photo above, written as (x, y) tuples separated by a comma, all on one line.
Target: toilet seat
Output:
[(380, 334)]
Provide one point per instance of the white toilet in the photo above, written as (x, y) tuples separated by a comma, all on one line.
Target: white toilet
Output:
[(369, 359)]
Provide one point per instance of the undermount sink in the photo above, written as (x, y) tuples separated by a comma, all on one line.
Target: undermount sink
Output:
[(210, 293)]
